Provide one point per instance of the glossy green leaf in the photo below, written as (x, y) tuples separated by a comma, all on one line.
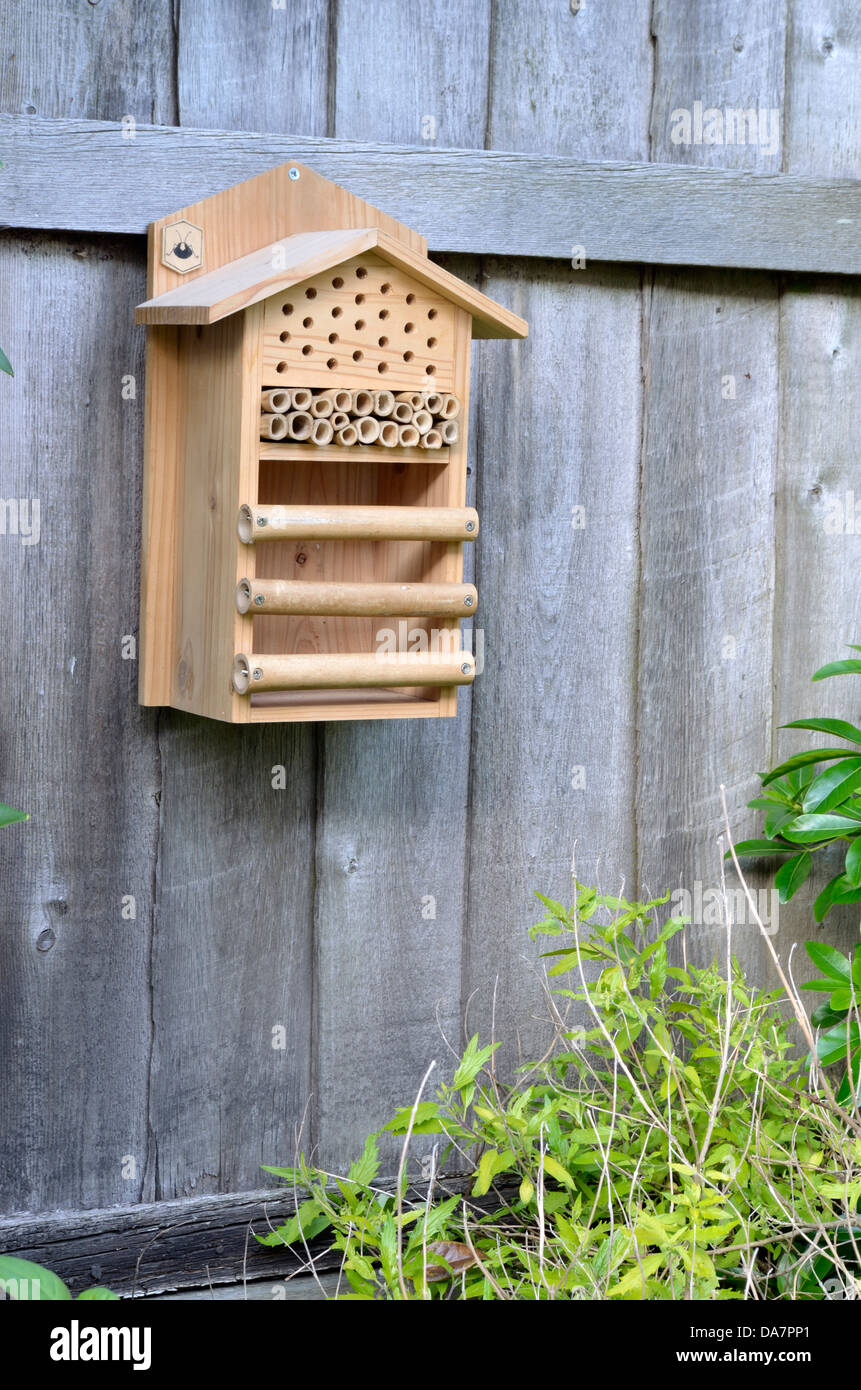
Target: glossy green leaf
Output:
[(850, 667), (760, 848), (840, 728), (8, 815), (27, 1282), (810, 756), (791, 874), (833, 786), (5, 364), (853, 863), (816, 829), (98, 1294), (830, 961)]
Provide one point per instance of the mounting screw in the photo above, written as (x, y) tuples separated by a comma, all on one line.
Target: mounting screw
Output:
[(467, 603), (466, 668), (259, 600), (470, 526), (257, 674), (261, 521), (293, 174)]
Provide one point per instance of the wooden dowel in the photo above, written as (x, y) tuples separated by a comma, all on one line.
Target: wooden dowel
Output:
[(273, 427), (336, 599), (322, 433), (302, 398), (299, 425), (408, 435), (431, 440), (346, 670), (368, 429), (275, 402), (363, 403), (389, 434), (271, 522), (347, 436)]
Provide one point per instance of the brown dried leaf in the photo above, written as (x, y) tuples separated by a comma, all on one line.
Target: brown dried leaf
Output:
[(458, 1256)]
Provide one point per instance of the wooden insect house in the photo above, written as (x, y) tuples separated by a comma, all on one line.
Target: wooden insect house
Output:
[(306, 459)]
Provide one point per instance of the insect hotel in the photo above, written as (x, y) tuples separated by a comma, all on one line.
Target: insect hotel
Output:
[(306, 459)]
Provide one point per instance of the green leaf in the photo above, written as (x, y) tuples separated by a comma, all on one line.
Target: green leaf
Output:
[(833, 786), (99, 1294), (366, 1168), (472, 1062), (840, 728), (809, 830), (555, 1169), (791, 874), (427, 1119), (805, 759), (634, 1281), (831, 962), (853, 863), (776, 818), (8, 814), (838, 668), (831, 1046), (5, 364), (825, 1017), (760, 848), (31, 1283), (492, 1162)]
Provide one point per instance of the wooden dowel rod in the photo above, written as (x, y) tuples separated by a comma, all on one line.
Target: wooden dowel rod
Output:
[(270, 522), (336, 599), (343, 670)]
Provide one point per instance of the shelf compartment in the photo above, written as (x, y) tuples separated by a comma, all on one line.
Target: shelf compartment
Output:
[(339, 670), (273, 522), (354, 453), (298, 597)]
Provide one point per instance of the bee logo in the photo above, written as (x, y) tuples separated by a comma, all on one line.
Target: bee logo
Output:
[(182, 247)]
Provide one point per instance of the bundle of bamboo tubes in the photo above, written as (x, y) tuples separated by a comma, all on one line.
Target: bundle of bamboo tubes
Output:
[(424, 419)]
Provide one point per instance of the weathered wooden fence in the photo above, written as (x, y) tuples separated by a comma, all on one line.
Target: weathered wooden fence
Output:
[(637, 654)]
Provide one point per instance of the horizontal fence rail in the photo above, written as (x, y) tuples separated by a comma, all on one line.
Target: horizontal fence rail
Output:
[(99, 176)]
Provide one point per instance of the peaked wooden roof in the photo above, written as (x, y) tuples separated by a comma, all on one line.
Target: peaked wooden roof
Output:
[(273, 268)]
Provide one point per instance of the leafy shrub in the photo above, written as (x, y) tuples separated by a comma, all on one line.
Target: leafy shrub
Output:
[(838, 1015), (807, 810), (26, 1282), (673, 1148)]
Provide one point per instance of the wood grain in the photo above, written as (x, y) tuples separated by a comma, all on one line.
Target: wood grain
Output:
[(479, 202)]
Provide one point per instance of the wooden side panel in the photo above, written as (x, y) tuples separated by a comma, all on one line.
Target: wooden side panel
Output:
[(709, 457)]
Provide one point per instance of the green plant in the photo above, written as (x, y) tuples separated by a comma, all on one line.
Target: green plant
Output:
[(5, 364), (8, 815), (26, 1282), (807, 810), (673, 1147), (838, 1015)]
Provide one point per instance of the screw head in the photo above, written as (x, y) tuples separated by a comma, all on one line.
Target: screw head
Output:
[(467, 603), (470, 526), (261, 521), (259, 600), (293, 174), (466, 668), (257, 674)]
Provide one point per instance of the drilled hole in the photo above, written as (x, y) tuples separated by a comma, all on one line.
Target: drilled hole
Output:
[(360, 299), (285, 337), (310, 293), (361, 272), (431, 313), (408, 356), (337, 283), (408, 327), (431, 342), (332, 363), (411, 298), (382, 367), (337, 311), (282, 367), (383, 314), (430, 369), (307, 323), (333, 337), (385, 288), (357, 355), (307, 350), (359, 325), (383, 342), (286, 308)]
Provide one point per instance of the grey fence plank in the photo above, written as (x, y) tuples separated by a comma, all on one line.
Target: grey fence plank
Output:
[(818, 606), (479, 202), (707, 525), (254, 66), (77, 751), (392, 833)]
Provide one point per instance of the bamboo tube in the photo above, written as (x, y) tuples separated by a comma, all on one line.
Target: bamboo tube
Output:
[(299, 425), (273, 427), (431, 440), (450, 431), (275, 402), (384, 404), (363, 403), (434, 402), (322, 432), (422, 419), (408, 436), (345, 670), (403, 413), (389, 434), (343, 401), (368, 429), (322, 406), (337, 599), (302, 398), (414, 399), (272, 522), (347, 436), (450, 407), (339, 420)]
